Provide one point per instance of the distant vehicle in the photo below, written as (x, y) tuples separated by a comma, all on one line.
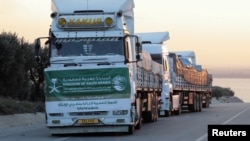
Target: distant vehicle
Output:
[(187, 85)]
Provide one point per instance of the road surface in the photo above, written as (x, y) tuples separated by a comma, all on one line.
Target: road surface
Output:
[(185, 127)]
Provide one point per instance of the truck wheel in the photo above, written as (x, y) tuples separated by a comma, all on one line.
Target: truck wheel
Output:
[(206, 104), (147, 116), (150, 116), (193, 107), (138, 125), (139, 113), (200, 102), (155, 117), (167, 113), (155, 108), (178, 112), (131, 129), (197, 103)]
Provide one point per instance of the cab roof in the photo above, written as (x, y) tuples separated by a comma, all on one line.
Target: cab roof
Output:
[(69, 6)]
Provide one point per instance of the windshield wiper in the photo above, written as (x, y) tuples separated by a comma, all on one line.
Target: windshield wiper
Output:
[(104, 63), (61, 61), (70, 64)]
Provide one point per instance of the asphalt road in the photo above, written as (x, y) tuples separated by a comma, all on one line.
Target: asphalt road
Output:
[(185, 127)]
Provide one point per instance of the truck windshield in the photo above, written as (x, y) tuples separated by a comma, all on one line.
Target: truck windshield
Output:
[(87, 46)]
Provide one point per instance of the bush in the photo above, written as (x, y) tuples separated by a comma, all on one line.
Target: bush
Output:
[(10, 106), (218, 91)]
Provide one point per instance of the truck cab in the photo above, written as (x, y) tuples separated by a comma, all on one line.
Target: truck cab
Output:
[(155, 44)]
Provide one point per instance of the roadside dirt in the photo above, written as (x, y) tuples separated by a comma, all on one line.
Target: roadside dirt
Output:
[(10, 124)]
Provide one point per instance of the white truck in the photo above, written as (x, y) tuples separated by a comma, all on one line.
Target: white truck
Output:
[(191, 80), (155, 44), (186, 85), (97, 79)]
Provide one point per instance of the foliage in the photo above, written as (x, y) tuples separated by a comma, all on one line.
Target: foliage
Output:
[(10, 106), (13, 62), (18, 68), (218, 91), (36, 76)]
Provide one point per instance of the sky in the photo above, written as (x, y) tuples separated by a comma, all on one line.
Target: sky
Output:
[(218, 31)]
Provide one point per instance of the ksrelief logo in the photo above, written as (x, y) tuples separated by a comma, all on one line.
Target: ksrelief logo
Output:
[(119, 83), (53, 88)]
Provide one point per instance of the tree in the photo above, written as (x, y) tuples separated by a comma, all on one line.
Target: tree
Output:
[(218, 91), (8, 42), (14, 81), (20, 76), (37, 75)]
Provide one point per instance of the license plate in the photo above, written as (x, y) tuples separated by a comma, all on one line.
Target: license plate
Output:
[(87, 121)]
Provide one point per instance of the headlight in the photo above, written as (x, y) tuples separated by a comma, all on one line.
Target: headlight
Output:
[(62, 22), (108, 21)]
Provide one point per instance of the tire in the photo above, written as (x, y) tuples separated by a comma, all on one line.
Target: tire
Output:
[(207, 102), (178, 112), (155, 108), (139, 114), (193, 107), (200, 102), (138, 125), (131, 129), (168, 113)]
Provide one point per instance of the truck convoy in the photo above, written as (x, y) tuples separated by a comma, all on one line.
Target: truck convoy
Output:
[(186, 85), (102, 78)]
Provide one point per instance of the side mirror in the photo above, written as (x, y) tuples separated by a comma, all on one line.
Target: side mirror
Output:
[(138, 57), (138, 46), (37, 48)]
